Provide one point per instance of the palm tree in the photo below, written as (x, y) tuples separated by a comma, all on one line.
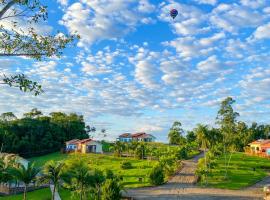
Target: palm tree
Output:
[(79, 177), (203, 138), (118, 148), (52, 172), (26, 175)]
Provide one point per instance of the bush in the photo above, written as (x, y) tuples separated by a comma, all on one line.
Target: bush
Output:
[(126, 165), (111, 189), (181, 153), (157, 175)]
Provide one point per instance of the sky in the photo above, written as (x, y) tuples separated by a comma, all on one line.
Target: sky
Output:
[(136, 69)]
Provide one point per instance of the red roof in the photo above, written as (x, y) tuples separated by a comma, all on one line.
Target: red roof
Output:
[(261, 142), (85, 140), (74, 141), (125, 135), (138, 135)]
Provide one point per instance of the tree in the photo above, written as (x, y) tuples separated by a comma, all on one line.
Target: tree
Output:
[(8, 116), (226, 119), (18, 40), (175, 134), (118, 148), (111, 188), (26, 175), (203, 139), (191, 136), (156, 175), (79, 177), (52, 172), (34, 113)]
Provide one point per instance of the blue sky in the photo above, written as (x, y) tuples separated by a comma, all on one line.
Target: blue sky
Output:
[(137, 69)]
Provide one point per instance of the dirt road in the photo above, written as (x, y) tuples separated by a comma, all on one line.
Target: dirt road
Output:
[(182, 187)]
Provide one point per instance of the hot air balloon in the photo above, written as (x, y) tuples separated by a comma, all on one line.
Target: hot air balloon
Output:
[(174, 13)]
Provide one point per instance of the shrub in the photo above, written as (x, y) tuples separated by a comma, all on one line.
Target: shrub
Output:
[(157, 175), (126, 165), (182, 153), (111, 189)]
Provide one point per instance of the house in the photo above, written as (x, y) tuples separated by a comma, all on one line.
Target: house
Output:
[(84, 146), (139, 137), (260, 147), (71, 145), (126, 137)]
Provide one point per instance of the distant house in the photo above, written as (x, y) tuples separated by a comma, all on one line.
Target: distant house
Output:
[(126, 137), (84, 146), (259, 147), (139, 137)]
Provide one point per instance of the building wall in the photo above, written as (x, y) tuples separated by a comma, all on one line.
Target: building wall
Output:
[(97, 144), (125, 139)]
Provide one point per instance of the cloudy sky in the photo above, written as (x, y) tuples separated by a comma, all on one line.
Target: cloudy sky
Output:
[(137, 69)]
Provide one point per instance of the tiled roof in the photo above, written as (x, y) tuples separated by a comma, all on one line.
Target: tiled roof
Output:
[(137, 135), (74, 141), (125, 135), (261, 142), (85, 140)]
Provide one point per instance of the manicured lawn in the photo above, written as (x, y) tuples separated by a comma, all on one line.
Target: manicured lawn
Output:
[(240, 173), (42, 194)]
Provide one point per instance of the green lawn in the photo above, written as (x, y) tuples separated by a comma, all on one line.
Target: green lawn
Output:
[(140, 168), (240, 172), (42, 194)]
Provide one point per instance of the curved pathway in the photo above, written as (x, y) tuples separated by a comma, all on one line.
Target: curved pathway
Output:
[(182, 187)]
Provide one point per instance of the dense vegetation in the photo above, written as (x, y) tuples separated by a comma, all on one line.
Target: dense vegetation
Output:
[(36, 134)]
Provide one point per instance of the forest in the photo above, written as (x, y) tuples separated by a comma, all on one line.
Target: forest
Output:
[(36, 134)]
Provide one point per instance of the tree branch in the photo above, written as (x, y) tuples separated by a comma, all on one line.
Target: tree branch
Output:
[(5, 9), (22, 54)]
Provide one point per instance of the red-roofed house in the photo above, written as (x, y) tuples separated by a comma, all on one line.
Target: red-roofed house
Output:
[(84, 146), (139, 137), (260, 147)]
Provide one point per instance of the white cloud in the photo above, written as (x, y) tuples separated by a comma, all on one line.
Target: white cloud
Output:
[(262, 32), (211, 2), (98, 20), (253, 3), (232, 17), (63, 2), (211, 64)]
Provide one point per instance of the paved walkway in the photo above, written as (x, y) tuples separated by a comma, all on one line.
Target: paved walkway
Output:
[(56, 195), (182, 187)]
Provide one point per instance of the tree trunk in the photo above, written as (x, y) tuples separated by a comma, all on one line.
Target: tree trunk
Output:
[(24, 192), (228, 165), (53, 194), (205, 163)]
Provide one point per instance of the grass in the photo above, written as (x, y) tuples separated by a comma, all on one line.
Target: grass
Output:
[(42, 194), (241, 172), (140, 168)]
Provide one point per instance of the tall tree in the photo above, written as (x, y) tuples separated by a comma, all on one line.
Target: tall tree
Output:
[(227, 119), (204, 140), (175, 133), (19, 37)]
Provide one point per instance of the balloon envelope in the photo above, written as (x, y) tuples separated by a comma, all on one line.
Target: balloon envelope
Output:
[(173, 13)]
